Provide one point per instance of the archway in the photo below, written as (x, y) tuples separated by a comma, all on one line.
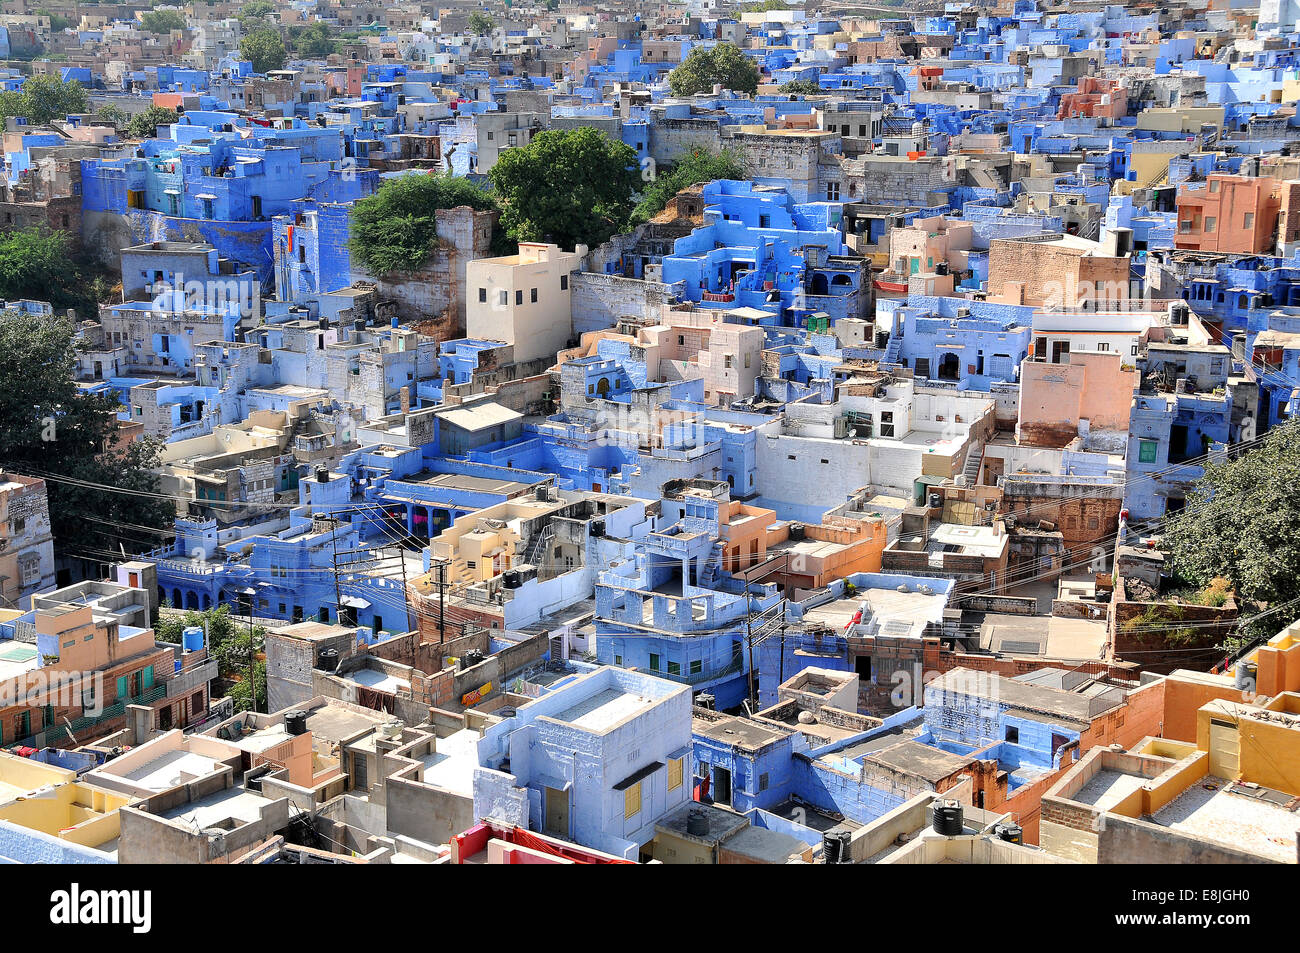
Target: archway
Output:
[(192, 601), (949, 367), (818, 285)]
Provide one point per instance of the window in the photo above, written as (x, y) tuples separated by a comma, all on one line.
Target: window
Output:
[(1013, 735), (533, 296), (674, 668), (762, 781), (1147, 451), (697, 666), (564, 282), (482, 296), (618, 660), (1210, 223), (1248, 220), (654, 662), (832, 191), (1214, 185), (503, 297), (632, 801), (674, 773), (519, 296), (1103, 347)]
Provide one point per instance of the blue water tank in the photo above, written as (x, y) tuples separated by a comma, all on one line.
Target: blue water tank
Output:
[(192, 639)]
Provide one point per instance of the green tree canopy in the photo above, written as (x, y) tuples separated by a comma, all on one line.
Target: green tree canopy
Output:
[(571, 187), (395, 229), (230, 642), (687, 171), (264, 49), (144, 125), (162, 21), (703, 68), (805, 86), (41, 265), (480, 23), (50, 427), (1242, 523), (44, 98), (314, 41), (114, 114)]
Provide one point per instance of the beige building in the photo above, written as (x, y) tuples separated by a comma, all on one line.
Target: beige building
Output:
[(523, 299)]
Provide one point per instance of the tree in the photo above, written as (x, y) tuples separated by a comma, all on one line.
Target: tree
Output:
[(703, 68), (114, 114), (690, 170), (50, 427), (480, 24), (1242, 523), (162, 21), (40, 265), (314, 41), (144, 125), (229, 643), (571, 187), (57, 23), (804, 86), (264, 49), (255, 14), (44, 98), (395, 229)]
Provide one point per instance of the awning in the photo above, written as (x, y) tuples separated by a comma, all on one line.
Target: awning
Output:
[(355, 602), (645, 772), (206, 195)]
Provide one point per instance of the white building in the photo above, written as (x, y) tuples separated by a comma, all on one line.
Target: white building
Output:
[(524, 299)]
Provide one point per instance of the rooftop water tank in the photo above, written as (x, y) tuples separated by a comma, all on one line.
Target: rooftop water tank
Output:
[(295, 722), (946, 817), (192, 639), (835, 845)]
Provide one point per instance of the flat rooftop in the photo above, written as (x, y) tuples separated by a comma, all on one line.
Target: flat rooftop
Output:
[(1210, 811), (1107, 788), (452, 765), (733, 731), (604, 709), (169, 770), (908, 612)]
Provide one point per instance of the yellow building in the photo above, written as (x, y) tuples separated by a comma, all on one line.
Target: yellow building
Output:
[(50, 800)]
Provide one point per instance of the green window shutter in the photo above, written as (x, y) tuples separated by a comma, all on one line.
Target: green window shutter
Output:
[(121, 687), (146, 678)]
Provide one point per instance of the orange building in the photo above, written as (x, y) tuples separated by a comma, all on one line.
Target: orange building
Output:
[(1230, 213)]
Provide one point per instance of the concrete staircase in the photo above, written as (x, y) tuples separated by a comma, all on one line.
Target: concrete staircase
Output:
[(712, 570), (974, 462)]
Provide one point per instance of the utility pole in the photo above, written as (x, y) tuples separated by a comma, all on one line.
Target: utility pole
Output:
[(442, 594), (251, 595)]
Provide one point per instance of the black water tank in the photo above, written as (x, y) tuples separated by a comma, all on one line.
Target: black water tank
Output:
[(947, 817), (705, 700), (295, 722), (510, 579), (322, 474), (1011, 833), (597, 527), (697, 822), (796, 531), (471, 658), (835, 845), (327, 660)]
